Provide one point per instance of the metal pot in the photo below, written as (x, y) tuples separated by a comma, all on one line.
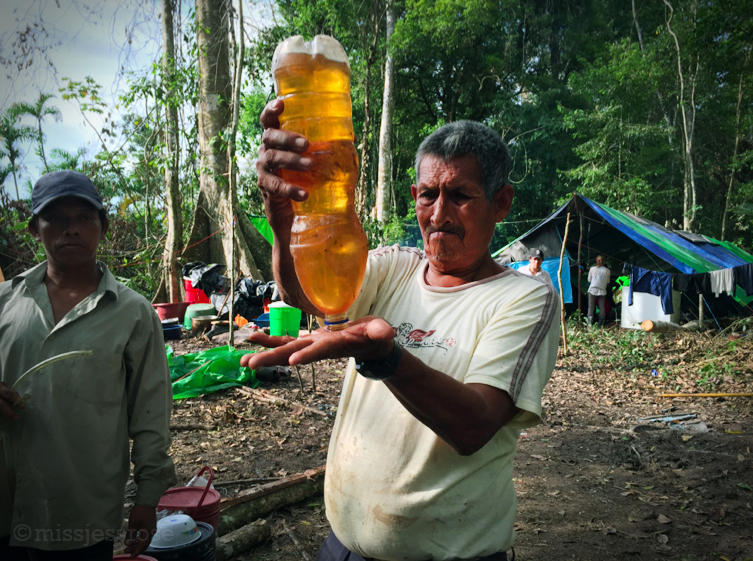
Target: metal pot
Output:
[(200, 324)]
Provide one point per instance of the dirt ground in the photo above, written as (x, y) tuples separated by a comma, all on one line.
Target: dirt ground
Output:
[(593, 482)]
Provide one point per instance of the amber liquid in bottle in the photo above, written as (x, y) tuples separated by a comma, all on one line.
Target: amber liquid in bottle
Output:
[(328, 245)]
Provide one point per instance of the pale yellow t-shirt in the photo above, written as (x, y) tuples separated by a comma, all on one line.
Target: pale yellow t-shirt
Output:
[(394, 490)]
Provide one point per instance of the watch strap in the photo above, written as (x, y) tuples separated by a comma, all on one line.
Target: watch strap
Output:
[(381, 369)]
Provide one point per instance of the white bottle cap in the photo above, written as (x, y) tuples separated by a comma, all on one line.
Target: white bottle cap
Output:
[(323, 45)]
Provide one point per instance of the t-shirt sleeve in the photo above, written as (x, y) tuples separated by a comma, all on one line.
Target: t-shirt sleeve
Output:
[(517, 351), (381, 264)]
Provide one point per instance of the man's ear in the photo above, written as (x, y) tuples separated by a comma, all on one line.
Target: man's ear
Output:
[(31, 227), (105, 226), (413, 192), (503, 202)]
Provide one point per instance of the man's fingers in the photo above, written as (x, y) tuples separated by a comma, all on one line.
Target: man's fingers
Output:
[(273, 160), (270, 116), (278, 139), (8, 397)]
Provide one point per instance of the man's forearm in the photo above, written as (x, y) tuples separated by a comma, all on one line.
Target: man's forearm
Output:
[(284, 268), (466, 416)]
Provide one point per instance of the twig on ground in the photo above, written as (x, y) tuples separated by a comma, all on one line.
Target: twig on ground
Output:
[(192, 426), (298, 373), (296, 541), (245, 481), (269, 398)]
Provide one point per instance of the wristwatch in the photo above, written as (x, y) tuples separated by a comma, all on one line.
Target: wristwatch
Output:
[(381, 369)]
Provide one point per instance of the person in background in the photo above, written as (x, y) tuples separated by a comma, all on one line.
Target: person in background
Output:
[(535, 259), (450, 354), (64, 457), (598, 277)]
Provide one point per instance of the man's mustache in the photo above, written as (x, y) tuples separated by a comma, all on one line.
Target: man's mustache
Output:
[(457, 230)]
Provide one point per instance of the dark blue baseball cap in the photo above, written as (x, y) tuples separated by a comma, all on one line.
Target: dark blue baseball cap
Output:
[(66, 183), (537, 253)]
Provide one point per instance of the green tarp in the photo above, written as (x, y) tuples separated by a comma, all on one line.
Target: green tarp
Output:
[(261, 224), (208, 371)]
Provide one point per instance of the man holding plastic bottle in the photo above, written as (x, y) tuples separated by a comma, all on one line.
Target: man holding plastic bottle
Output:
[(450, 354), (64, 456)]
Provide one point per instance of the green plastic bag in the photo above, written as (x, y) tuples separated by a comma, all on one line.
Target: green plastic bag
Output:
[(210, 371)]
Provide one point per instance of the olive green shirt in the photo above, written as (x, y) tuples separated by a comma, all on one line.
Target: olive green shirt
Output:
[(64, 462)]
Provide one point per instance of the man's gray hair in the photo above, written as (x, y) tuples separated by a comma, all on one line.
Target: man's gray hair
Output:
[(469, 137)]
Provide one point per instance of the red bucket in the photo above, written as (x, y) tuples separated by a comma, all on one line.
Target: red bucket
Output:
[(201, 504), (194, 295)]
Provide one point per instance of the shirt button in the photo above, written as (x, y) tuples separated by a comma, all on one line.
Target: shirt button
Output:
[(33, 407), (41, 371)]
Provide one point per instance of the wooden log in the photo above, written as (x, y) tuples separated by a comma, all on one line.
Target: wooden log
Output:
[(241, 510), (706, 395), (240, 540), (659, 326)]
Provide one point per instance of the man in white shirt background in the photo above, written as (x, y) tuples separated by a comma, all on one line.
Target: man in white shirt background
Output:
[(598, 276), (535, 259)]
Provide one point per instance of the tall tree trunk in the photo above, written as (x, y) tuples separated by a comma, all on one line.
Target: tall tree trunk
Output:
[(383, 203), (688, 126), (171, 269), (370, 43), (734, 153), (211, 230)]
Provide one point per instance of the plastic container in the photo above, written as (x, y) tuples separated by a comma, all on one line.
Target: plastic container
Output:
[(646, 306), (328, 245), (200, 503), (172, 331), (197, 310), (172, 310), (203, 549), (174, 531), (262, 320), (284, 319), (194, 295)]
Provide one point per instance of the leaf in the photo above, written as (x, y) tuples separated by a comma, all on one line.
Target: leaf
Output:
[(661, 519), (740, 458), (744, 486), (538, 457), (662, 538), (686, 437)]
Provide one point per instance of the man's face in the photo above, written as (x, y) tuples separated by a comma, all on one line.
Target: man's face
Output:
[(535, 264), (70, 231), (456, 220)]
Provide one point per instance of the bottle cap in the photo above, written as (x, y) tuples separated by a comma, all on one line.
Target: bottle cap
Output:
[(323, 45)]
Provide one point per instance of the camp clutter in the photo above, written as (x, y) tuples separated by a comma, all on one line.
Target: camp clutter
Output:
[(206, 310)]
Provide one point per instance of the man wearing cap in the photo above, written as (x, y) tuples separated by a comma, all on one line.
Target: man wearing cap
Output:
[(534, 266), (64, 459)]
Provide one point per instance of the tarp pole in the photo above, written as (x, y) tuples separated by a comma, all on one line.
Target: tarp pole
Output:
[(580, 269), (231, 325), (700, 311), (559, 280)]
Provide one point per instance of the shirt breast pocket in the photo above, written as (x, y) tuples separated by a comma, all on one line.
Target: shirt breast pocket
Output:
[(97, 380)]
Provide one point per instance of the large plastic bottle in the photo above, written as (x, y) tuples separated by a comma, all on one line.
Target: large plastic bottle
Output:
[(328, 244)]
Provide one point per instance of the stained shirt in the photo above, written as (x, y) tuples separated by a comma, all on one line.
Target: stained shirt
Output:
[(65, 461)]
